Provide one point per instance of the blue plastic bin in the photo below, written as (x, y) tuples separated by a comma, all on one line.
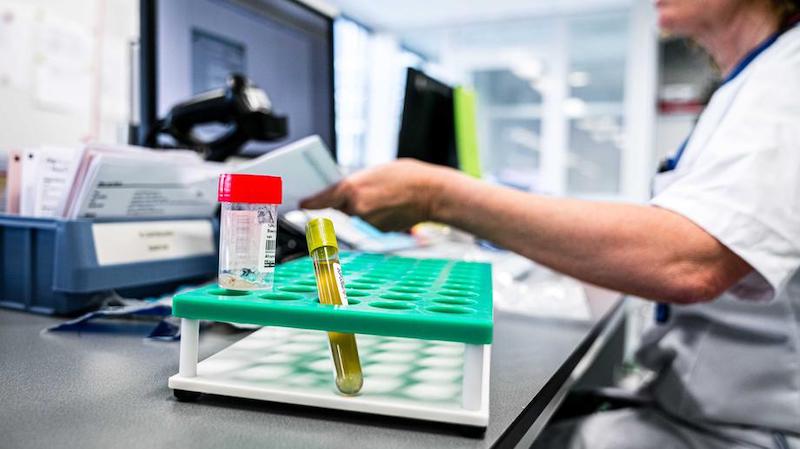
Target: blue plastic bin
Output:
[(50, 266)]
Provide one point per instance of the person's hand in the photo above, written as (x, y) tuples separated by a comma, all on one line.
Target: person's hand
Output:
[(394, 196)]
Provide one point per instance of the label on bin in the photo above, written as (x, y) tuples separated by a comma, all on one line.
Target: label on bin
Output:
[(144, 241)]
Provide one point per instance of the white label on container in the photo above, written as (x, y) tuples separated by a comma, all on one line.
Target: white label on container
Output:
[(337, 271), (240, 229), (266, 247), (144, 241)]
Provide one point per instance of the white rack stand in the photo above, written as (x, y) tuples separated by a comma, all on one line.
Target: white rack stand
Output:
[(427, 380)]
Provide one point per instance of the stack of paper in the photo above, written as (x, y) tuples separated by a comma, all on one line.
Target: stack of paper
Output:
[(37, 180), (100, 181), (105, 181)]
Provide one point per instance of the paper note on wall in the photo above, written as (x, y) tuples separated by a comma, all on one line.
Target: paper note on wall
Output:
[(115, 70), (16, 45), (63, 69)]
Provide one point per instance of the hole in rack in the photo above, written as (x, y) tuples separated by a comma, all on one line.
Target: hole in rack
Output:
[(391, 305), (454, 301), (453, 310), (428, 268), (352, 266), (225, 292), (399, 297), (407, 290), (453, 275), (298, 289), (393, 267), (459, 287), (281, 296), (356, 294), (387, 267), (462, 281), (425, 270), (457, 294), (350, 301), (291, 274), (308, 282), (374, 279), (369, 281), (413, 283), (419, 278), (385, 275), (465, 270), (359, 286), (418, 283)]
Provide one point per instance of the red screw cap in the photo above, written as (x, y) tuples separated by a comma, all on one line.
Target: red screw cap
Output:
[(257, 189)]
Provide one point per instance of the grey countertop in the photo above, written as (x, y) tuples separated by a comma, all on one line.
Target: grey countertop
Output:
[(102, 389)]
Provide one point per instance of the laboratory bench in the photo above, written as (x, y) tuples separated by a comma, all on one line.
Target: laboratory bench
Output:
[(109, 389)]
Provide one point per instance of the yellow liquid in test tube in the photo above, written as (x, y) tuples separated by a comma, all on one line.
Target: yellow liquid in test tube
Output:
[(330, 285)]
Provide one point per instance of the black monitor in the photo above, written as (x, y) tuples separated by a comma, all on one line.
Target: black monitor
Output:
[(427, 131), (283, 46)]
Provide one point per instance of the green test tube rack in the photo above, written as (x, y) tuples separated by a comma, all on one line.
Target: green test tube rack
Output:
[(434, 305)]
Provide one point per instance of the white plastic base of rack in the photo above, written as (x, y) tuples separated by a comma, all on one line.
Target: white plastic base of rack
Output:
[(427, 380)]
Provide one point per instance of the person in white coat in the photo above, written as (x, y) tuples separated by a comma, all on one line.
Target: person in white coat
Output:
[(718, 246)]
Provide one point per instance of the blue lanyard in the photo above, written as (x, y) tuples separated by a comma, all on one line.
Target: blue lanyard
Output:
[(672, 163)]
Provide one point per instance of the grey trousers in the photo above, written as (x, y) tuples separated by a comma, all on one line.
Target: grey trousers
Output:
[(649, 428)]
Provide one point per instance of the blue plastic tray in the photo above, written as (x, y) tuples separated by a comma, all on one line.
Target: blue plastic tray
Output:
[(50, 266)]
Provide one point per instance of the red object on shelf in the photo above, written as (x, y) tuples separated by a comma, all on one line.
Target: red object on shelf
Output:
[(680, 107), (257, 189)]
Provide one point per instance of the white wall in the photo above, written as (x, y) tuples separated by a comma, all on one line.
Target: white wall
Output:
[(64, 70)]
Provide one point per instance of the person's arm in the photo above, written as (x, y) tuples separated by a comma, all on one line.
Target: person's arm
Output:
[(641, 250)]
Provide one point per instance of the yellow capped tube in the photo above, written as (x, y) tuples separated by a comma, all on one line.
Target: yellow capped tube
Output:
[(324, 251)]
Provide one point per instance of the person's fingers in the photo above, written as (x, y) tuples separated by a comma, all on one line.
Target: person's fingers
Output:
[(387, 220), (334, 196), (381, 220)]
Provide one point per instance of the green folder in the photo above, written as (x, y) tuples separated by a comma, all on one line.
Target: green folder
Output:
[(466, 131)]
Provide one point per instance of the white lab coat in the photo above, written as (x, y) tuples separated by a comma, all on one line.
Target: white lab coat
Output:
[(736, 360), (728, 370)]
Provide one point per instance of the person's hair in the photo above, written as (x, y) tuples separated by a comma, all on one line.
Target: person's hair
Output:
[(786, 8)]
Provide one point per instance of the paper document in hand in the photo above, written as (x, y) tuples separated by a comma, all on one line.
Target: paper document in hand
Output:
[(306, 167)]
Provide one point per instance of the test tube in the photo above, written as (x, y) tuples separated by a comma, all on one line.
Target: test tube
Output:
[(324, 251)]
